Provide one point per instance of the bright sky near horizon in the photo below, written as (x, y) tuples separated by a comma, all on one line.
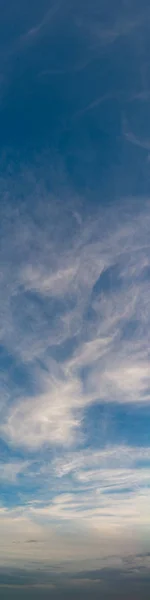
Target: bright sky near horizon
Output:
[(75, 297)]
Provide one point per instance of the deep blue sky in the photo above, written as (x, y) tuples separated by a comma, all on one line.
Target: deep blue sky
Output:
[(74, 298)]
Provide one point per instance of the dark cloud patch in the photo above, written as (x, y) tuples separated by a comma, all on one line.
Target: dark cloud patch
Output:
[(129, 582)]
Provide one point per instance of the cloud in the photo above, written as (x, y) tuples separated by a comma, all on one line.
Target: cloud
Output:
[(105, 27), (97, 515), (76, 532), (74, 333), (10, 471), (33, 34), (46, 418), (74, 302), (119, 456), (134, 139), (55, 545), (56, 284), (75, 314)]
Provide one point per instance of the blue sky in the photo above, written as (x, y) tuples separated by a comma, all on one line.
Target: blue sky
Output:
[(74, 296)]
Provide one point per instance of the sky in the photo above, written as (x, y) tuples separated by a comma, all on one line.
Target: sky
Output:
[(75, 299)]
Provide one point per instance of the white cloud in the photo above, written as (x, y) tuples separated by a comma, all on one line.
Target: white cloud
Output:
[(105, 31), (100, 511), (48, 418), (110, 457), (9, 471), (109, 321), (88, 541), (122, 382), (32, 35), (134, 139), (55, 284), (75, 330)]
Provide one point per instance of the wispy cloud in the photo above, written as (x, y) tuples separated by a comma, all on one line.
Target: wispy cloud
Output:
[(105, 29), (10, 471), (32, 34), (109, 457), (74, 296), (134, 139), (77, 530), (74, 332), (90, 290)]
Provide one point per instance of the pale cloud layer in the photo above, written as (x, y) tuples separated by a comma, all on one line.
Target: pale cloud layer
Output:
[(90, 530)]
